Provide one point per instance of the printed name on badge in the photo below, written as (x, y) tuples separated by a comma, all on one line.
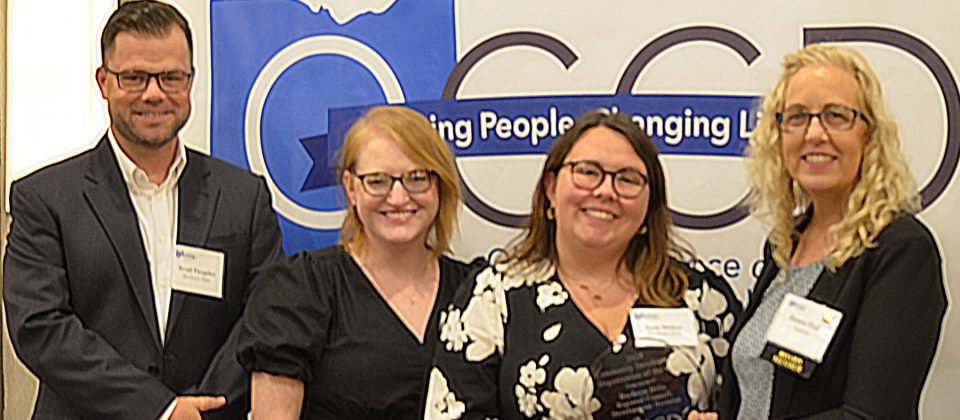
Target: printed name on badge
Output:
[(804, 327), (199, 271), (663, 327)]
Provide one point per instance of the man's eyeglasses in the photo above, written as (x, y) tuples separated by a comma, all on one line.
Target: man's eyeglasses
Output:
[(588, 175), (137, 81), (833, 118), (379, 184)]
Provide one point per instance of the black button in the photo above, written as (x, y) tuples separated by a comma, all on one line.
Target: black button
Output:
[(154, 370)]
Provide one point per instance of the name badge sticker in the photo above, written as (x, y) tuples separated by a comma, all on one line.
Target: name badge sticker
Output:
[(198, 270), (662, 327), (804, 327)]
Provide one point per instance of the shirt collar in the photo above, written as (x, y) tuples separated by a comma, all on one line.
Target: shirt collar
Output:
[(136, 178)]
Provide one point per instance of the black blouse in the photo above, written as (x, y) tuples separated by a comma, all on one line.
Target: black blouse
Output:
[(316, 317)]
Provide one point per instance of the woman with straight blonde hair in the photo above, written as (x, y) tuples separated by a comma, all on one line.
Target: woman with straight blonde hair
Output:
[(348, 331), (828, 176)]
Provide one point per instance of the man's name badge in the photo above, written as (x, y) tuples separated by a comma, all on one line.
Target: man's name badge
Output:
[(799, 335), (663, 327), (198, 270)]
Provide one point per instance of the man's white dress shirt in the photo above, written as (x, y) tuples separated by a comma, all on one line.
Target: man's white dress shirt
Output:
[(156, 208)]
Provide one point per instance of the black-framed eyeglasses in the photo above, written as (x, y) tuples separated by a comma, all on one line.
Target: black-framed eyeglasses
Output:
[(136, 81), (588, 175), (379, 184), (833, 118)]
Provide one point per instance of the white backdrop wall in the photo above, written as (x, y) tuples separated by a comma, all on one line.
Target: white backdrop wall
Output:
[(384, 51)]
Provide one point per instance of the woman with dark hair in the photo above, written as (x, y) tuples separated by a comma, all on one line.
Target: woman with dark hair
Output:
[(520, 340), (348, 331), (828, 177)]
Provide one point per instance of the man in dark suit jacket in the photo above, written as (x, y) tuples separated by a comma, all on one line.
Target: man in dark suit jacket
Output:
[(101, 244)]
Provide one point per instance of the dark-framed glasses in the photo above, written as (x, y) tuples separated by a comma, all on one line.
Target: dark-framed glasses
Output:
[(833, 118), (379, 184), (588, 175), (136, 81)]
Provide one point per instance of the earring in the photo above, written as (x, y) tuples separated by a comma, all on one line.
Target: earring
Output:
[(643, 230), (551, 214)]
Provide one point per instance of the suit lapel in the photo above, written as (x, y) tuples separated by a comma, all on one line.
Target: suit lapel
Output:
[(196, 206), (107, 195), (828, 286)]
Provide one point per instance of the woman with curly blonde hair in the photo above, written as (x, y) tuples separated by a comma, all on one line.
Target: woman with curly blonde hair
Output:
[(828, 176)]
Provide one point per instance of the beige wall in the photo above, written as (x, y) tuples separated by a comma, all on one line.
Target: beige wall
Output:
[(19, 386)]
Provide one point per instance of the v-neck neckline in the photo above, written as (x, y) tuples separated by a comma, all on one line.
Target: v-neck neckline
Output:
[(583, 314), (386, 304)]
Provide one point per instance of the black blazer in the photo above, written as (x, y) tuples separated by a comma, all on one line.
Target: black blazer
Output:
[(79, 299), (893, 301)]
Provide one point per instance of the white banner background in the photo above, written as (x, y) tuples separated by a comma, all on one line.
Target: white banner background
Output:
[(606, 35)]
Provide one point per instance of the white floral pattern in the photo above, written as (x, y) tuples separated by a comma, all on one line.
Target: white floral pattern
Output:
[(709, 304), (441, 402), (452, 330), (573, 398), (706, 301), (696, 362), (527, 401), (518, 274), (552, 332), (532, 375), (562, 388), (481, 323), (550, 294)]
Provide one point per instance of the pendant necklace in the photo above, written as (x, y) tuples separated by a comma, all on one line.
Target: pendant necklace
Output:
[(597, 294)]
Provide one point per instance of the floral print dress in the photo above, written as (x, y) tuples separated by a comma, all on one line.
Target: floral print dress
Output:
[(513, 345)]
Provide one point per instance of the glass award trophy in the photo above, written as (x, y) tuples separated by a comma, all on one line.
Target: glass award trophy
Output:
[(635, 384)]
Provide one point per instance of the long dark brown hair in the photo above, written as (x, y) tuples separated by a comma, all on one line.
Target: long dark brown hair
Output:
[(659, 278)]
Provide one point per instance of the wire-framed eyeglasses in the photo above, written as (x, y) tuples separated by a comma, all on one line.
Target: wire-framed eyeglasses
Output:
[(379, 184), (588, 175), (136, 81), (833, 118)]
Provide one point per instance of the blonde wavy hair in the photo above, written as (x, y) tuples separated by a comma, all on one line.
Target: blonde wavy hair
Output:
[(423, 145), (884, 189)]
